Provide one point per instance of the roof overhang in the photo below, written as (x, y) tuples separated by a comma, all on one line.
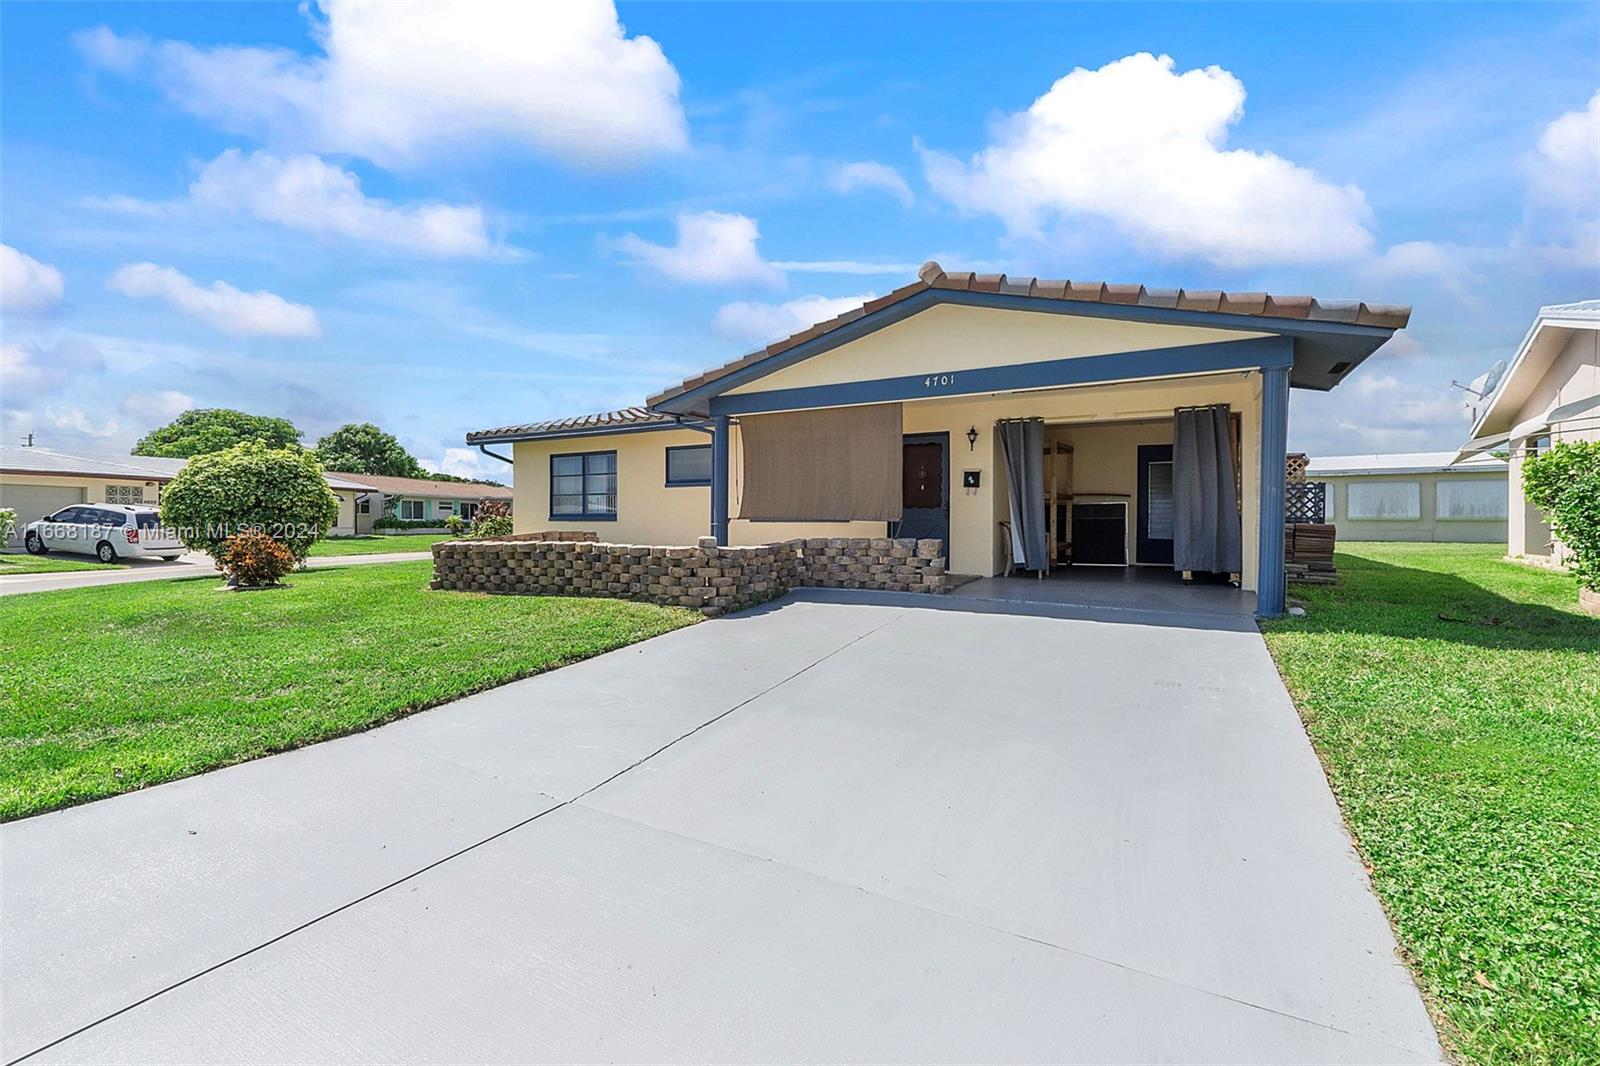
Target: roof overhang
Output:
[(1323, 352), (103, 475), (513, 436), (1543, 342)]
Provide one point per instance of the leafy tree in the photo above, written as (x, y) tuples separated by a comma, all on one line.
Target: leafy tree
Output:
[(211, 429), (279, 491), (1564, 483), (363, 448)]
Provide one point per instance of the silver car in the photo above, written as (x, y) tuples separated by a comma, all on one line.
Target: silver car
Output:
[(107, 531)]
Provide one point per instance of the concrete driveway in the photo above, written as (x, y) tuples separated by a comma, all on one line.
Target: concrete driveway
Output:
[(819, 831), (189, 564)]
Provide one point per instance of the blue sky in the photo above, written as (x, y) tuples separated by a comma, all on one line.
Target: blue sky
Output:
[(444, 220)]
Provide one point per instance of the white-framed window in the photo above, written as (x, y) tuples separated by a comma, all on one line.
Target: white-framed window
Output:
[(1472, 499), (364, 505), (411, 510), (444, 507), (1384, 501), (124, 493)]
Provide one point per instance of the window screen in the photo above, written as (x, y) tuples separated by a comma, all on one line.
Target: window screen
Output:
[(689, 465), (1477, 498), (1158, 519), (411, 510), (583, 486), (1385, 500)]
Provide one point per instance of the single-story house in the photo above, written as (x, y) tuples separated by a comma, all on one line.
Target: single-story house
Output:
[(1414, 496), (1109, 425), (420, 499), (1549, 393), (35, 482)]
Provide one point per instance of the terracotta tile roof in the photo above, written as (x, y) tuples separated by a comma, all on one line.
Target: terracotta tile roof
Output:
[(933, 276), (628, 416), (418, 486)]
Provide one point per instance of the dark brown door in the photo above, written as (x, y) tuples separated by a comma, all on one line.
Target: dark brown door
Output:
[(925, 488)]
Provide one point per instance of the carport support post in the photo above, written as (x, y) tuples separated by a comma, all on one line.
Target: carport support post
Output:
[(1270, 580), (719, 478)]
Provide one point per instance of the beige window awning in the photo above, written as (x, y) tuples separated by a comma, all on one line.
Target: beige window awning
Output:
[(832, 465)]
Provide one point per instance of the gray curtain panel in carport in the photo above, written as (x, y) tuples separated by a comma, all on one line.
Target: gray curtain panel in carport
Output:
[(832, 465), (1205, 534), (1022, 440)]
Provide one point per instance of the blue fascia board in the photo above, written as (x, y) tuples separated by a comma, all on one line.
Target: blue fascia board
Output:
[(695, 400), (1218, 356)]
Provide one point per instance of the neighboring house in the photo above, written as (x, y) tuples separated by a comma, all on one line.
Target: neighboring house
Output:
[(1414, 496), (421, 499), (1549, 393), (909, 415), (40, 481)]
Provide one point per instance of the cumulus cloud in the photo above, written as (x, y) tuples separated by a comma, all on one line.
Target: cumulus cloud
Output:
[(402, 82), (1141, 147), (303, 192), (258, 314), (869, 174), (30, 372), (155, 408), (466, 462), (26, 284), (1567, 166), (712, 248), (74, 419), (751, 322), (1454, 268)]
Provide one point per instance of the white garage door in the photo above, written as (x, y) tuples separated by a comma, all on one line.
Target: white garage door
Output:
[(33, 502)]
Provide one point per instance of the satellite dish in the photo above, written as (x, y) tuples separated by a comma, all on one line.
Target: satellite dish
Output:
[(1480, 388), (1492, 378)]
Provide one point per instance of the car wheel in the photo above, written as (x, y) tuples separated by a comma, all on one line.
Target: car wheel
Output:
[(169, 558), (105, 552), (34, 543)]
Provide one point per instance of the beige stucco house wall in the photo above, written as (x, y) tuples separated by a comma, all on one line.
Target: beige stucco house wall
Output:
[(1550, 393)]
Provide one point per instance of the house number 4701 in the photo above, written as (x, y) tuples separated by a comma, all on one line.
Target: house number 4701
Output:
[(935, 381)]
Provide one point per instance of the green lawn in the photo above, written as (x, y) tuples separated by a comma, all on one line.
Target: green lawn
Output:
[(108, 689), (51, 564), (375, 545), (1455, 701)]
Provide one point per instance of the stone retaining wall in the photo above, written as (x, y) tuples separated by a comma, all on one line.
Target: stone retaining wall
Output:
[(711, 579)]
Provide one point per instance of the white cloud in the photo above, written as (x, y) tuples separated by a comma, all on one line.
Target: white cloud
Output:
[(261, 313), (870, 174), (1141, 147), (155, 408), (305, 193), (753, 322), (466, 462), (27, 284), (1567, 166), (29, 373), (77, 420), (398, 83), (712, 248), (1454, 268)]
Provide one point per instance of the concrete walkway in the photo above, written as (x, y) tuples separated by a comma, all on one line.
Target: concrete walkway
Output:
[(818, 831), (190, 564)]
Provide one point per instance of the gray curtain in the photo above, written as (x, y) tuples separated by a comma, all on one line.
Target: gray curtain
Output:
[(1205, 534), (1023, 442)]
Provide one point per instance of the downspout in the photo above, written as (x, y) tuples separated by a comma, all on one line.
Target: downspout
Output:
[(484, 448)]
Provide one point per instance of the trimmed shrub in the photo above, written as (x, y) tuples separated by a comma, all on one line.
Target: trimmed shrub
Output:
[(277, 491), (1564, 483), (389, 521), (493, 519), (252, 559)]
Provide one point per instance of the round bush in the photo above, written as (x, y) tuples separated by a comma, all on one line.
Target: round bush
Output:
[(277, 491), (1564, 483), (254, 560)]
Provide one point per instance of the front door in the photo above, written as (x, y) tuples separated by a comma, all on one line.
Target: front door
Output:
[(925, 488), (1154, 543)]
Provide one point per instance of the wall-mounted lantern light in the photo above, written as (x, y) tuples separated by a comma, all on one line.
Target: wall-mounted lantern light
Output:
[(972, 439)]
